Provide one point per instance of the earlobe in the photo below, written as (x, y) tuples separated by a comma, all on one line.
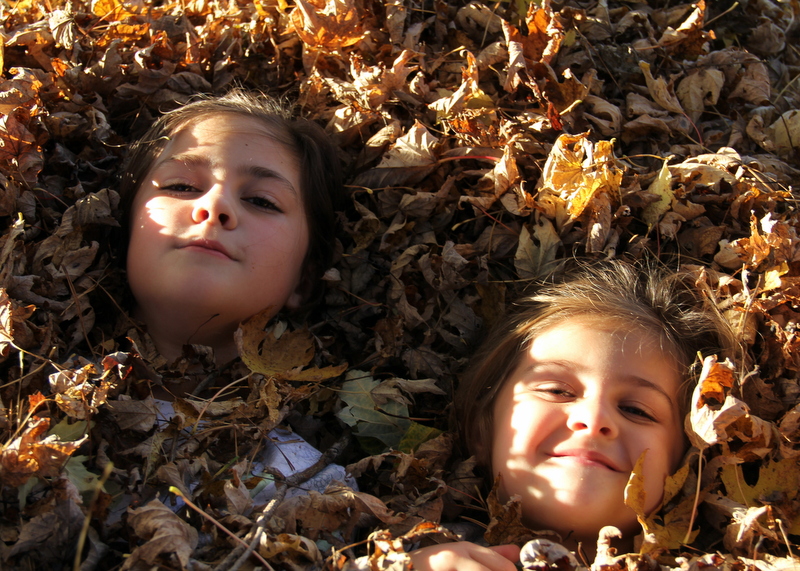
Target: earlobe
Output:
[(296, 299), (300, 295)]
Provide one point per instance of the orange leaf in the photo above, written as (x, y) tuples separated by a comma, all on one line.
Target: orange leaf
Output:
[(715, 380), (34, 401), (30, 455)]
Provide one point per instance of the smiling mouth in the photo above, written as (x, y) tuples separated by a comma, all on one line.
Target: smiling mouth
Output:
[(587, 458), (210, 246)]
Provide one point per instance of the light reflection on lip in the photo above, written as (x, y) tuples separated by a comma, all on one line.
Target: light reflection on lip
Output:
[(587, 457), (211, 246)]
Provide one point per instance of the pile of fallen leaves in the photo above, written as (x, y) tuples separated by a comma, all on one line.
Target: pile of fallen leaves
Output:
[(483, 143)]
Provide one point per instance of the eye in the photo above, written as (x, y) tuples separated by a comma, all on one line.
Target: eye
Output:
[(263, 203), (636, 412), (554, 392), (180, 188)]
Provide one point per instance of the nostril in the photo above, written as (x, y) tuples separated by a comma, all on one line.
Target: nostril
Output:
[(223, 218)]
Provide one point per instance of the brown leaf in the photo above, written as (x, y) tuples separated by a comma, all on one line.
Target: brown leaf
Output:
[(268, 353), (164, 533), (290, 550), (506, 524), (134, 414), (50, 534), (659, 91), (18, 145), (315, 512), (6, 325)]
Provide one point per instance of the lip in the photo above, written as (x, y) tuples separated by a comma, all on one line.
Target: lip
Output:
[(587, 458), (209, 246)]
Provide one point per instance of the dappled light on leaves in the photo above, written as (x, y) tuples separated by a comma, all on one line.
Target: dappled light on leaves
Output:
[(482, 144)]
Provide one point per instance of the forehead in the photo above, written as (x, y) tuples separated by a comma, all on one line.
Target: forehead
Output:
[(225, 125), (630, 331), (230, 140), (613, 346)]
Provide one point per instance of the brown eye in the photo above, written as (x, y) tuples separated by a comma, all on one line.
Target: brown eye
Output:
[(636, 411), (180, 188), (263, 203)]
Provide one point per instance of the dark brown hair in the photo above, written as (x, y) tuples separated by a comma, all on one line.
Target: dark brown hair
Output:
[(317, 163), (641, 297)]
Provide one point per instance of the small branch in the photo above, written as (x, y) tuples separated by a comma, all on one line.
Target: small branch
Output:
[(696, 499), (282, 485), (224, 529), (76, 566)]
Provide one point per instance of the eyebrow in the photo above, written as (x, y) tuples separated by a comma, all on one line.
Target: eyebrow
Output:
[(253, 171), (644, 383), (633, 379)]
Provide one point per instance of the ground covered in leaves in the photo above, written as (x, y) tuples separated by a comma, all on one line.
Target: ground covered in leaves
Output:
[(482, 143)]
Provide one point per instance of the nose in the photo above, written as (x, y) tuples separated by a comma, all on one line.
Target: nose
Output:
[(593, 417), (215, 206)]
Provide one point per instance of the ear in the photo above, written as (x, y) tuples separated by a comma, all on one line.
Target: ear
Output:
[(301, 293)]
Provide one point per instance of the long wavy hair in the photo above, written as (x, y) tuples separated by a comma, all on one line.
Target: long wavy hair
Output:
[(638, 297)]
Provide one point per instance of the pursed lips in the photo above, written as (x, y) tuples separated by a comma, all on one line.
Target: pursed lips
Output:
[(210, 245), (588, 457)]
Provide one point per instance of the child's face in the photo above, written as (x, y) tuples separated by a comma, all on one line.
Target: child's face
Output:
[(218, 226), (572, 420)]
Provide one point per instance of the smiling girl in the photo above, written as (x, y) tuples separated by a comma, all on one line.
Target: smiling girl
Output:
[(567, 394)]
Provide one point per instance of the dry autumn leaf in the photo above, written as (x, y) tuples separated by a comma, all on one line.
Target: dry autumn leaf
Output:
[(483, 144)]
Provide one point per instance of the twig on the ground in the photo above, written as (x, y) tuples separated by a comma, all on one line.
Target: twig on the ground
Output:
[(239, 555)]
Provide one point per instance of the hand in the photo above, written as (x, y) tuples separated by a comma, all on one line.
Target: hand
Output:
[(465, 556)]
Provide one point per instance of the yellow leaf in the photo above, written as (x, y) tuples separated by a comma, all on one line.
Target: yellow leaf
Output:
[(635, 495), (661, 187), (577, 171), (781, 476), (672, 534), (669, 531), (673, 484), (772, 277), (111, 10)]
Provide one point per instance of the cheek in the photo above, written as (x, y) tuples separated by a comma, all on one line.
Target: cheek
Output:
[(287, 242), (156, 213), (660, 466)]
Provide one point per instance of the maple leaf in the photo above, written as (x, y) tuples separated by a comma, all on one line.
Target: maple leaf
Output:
[(328, 24), (281, 356), (383, 416), (506, 524), (31, 455), (776, 486), (545, 34), (577, 171)]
